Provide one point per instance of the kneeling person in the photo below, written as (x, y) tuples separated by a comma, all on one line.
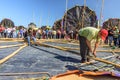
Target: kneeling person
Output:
[(30, 36)]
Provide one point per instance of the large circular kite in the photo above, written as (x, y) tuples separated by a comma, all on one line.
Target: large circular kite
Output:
[(79, 17), (7, 23), (111, 23)]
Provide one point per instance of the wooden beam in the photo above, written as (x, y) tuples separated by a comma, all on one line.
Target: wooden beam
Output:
[(12, 54), (68, 48), (108, 51), (57, 47), (11, 46), (93, 61), (104, 61), (24, 73), (12, 41)]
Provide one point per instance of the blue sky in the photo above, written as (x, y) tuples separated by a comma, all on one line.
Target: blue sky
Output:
[(46, 12)]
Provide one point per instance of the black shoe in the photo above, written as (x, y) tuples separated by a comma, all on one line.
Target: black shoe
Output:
[(83, 61), (36, 45), (88, 59)]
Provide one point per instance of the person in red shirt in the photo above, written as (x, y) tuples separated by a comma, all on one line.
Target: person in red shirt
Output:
[(2, 31)]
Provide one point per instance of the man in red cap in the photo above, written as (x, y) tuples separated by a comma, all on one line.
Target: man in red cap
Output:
[(86, 35)]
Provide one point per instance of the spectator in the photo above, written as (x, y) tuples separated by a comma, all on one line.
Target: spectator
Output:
[(115, 35), (110, 37), (119, 38)]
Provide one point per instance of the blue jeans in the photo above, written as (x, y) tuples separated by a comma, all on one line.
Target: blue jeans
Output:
[(115, 41), (28, 39), (119, 40), (110, 38)]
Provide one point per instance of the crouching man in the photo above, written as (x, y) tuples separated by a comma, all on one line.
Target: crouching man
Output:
[(29, 35), (86, 35)]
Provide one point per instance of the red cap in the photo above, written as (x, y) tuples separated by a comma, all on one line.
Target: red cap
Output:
[(104, 33)]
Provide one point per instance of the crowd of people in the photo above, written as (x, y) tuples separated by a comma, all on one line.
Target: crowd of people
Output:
[(84, 35), (113, 38), (11, 32), (38, 33)]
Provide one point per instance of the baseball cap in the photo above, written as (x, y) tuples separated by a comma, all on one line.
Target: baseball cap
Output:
[(104, 33)]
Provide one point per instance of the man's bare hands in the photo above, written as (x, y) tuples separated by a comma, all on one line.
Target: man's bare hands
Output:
[(94, 53)]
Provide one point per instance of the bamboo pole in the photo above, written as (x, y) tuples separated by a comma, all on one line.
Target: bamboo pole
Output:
[(11, 46), (12, 41), (68, 48), (98, 59), (12, 54), (63, 42), (105, 61), (24, 73), (57, 47), (102, 66), (93, 61), (113, 51)]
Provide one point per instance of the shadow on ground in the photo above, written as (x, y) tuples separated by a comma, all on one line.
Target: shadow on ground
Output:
[(60, 57)]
